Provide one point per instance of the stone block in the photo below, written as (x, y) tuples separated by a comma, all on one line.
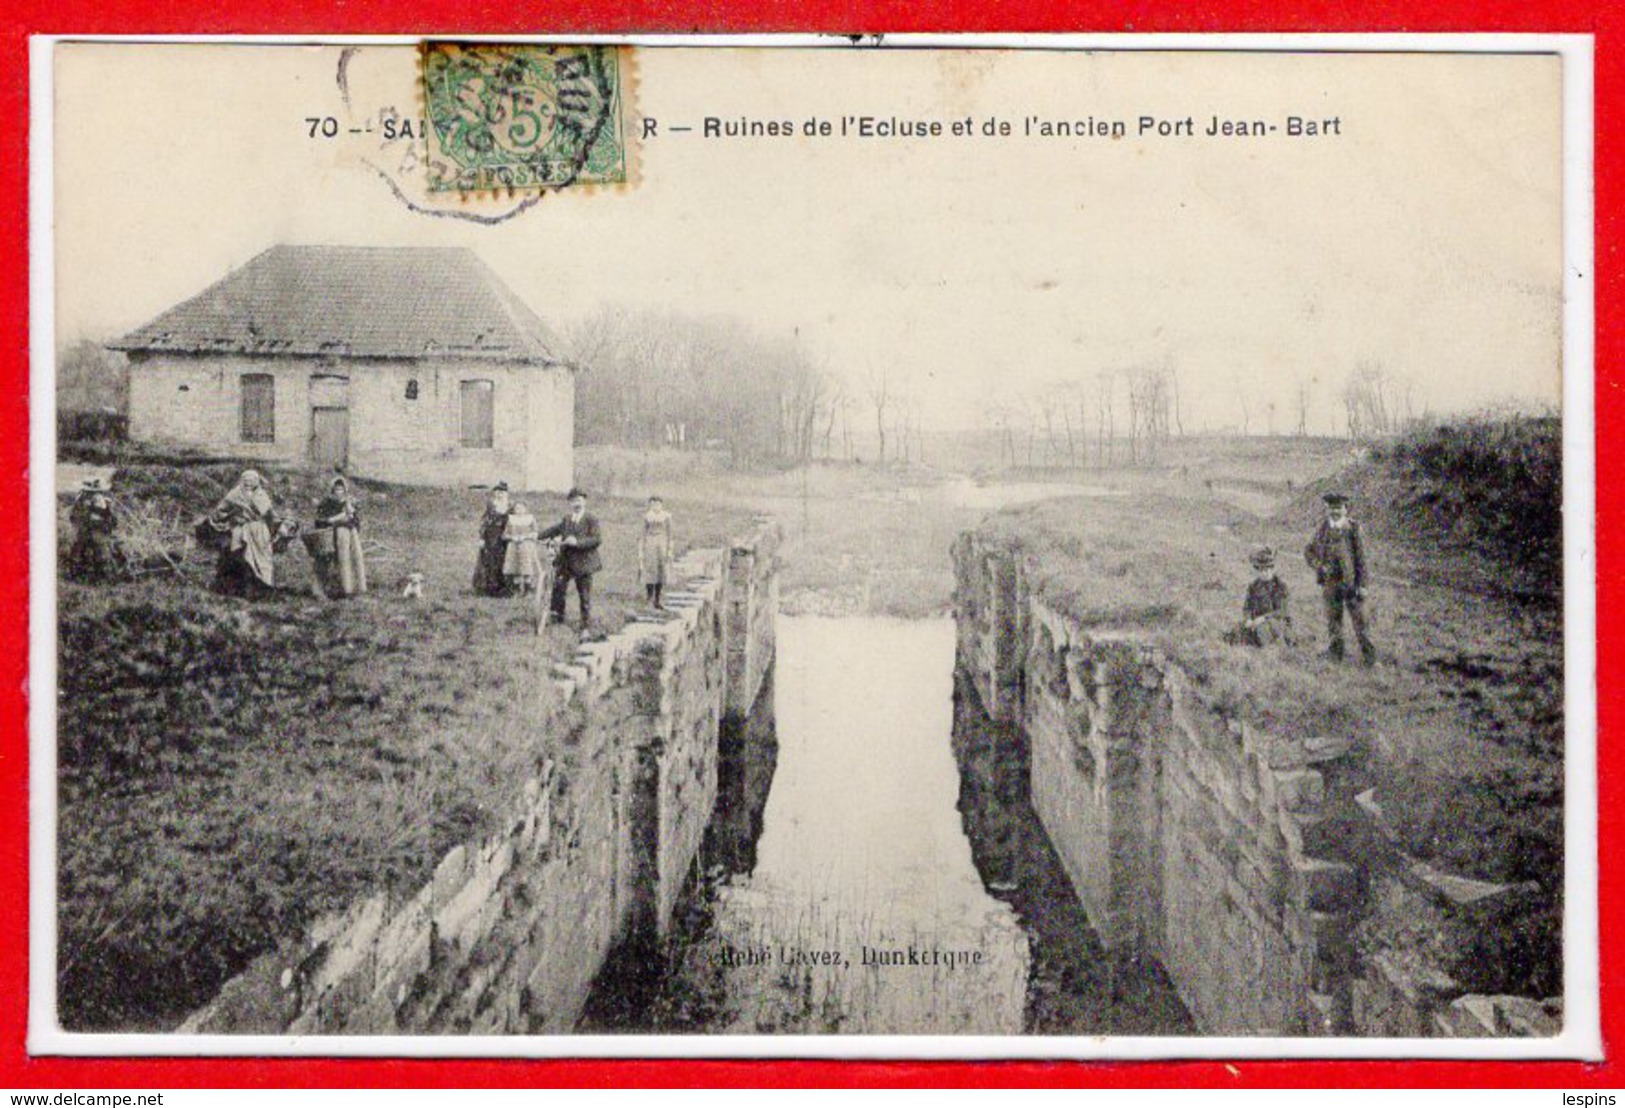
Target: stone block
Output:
[(1333, 933), (1326, 748), (405, 947), (1372, 809), (375, 1016), (1299, 789), (1326, 886), (577, 676), (254, 1002), (1523, 1017), (1467, 1017), (1322, 1014), (498, 857), (1465, 892), (347, 950), (469, 916), (1420, 986), (410, 966), (450, 874)]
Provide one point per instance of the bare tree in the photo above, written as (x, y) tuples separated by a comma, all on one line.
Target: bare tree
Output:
[(1001, 418), (834, 405), (1106, 418), (1150, 398), (878, 387), (1050, 406), (1179, 414), (1407, 398), (1135, 418), (804, 394), (1369, 402)]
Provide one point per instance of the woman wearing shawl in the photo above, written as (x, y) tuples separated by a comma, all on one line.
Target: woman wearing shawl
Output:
[(654, 550), (523, 565), (340, 566), (246, 522), (488, 578)]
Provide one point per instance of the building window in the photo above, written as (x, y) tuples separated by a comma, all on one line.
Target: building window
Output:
[(477, 422), (259, 407), (412, 390)]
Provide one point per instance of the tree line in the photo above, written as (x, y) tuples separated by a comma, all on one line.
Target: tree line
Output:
[(1127, 415), (662, 379), (654, 379)]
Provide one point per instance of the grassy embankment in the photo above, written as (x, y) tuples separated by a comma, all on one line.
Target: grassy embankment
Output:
[(1463, 713), (228, 770)]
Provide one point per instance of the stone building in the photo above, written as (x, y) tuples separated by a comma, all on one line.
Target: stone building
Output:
[(406, 364)]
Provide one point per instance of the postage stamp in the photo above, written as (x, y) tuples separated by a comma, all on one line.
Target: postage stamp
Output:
[(526, 116)]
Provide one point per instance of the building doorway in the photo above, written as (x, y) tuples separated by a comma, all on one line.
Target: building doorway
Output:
[(330, 437), (330, 421)]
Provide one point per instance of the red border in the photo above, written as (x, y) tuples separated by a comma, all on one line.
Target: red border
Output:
[(1603, 18)]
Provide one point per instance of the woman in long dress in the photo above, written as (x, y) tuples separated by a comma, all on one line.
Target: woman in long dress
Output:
[(488, 576), (340, 566), (245, 519), (654, 550), (523, 565)]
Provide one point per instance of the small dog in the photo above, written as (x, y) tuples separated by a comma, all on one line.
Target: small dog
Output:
[(413, 588)]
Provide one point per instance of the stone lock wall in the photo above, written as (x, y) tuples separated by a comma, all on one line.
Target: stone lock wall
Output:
[(511, 930), (752, 602), (1241, 862), (1185, 841)]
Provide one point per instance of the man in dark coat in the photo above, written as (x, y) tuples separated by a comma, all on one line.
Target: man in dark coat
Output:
[(1337, 555), (578, 558)]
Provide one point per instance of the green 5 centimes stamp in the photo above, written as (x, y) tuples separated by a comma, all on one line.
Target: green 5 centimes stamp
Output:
[(522, 116)]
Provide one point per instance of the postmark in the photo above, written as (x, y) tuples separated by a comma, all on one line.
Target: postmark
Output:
[(522, 117)]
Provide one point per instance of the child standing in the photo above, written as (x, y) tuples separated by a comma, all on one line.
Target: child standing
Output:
[(522, 566), (654, 550)]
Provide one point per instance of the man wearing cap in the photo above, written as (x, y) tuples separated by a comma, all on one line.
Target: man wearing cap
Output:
[(1337, 556), (578, 558), (1265, 617)]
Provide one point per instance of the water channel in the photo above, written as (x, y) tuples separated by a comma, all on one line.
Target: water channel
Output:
[(874, 867)]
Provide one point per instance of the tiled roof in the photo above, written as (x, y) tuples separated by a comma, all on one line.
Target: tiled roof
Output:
[(353, 301)]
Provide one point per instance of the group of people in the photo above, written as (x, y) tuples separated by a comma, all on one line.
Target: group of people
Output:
[(1336, 554), (510, 556), (246, 532)]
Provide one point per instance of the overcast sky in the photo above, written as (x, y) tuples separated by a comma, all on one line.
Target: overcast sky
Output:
[(1426, 237)]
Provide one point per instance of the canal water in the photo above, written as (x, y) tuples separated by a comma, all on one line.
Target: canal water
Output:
[(838, 890)]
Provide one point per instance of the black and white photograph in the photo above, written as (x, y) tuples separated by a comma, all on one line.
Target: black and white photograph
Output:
[(813, 547)]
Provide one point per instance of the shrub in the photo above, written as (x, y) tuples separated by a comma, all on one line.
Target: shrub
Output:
[(1494, 482), (92, 427)]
